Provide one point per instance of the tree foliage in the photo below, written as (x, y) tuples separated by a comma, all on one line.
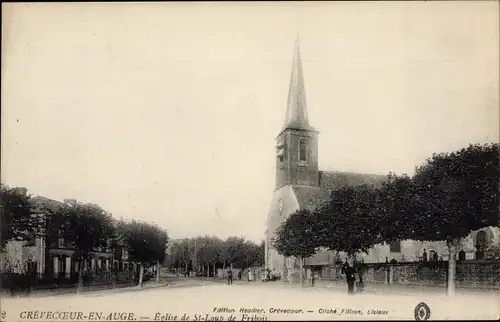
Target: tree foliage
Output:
[(18, 219), (180, 254), (296, 236), (456, 193), (395, 205), (349, 221), (208, 250), (86, 227), (447, 198), (146, 243), (212, 250)]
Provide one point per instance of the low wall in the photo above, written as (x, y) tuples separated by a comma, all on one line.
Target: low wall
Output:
[(15, 281), (468, 274)]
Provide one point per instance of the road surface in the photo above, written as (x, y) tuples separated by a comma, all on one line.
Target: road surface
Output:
[(212, 301)]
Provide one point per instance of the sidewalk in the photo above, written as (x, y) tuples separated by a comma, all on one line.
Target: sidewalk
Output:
[(370, 287), (92, 290)]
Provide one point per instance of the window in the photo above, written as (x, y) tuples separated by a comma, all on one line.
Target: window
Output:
[(395, 247), (281, 148), (60, 243), (302, 151), (481, 240)]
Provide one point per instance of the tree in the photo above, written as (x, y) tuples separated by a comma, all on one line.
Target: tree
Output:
[(456, 193), (180, 254), (295, 237), (395, 204), (349, 221), (86, 227), (254, 254), (208, 252), (145, 242), (233, 252), (18, 220)]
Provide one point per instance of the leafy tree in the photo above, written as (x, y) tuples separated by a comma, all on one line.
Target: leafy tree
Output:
[(295, 237), (180, 254), (208, 252), (395, 204), (86, 227), (18, 220), (456, 193), (145, 242), (233, 252), (254, 255), (349, 221)]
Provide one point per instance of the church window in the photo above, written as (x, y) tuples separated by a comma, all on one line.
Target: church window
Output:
[(395, 247), (281, 151), (302, 151)]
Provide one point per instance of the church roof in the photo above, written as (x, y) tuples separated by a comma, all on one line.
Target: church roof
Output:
[(310, 197), (50, 203), (296, 109)]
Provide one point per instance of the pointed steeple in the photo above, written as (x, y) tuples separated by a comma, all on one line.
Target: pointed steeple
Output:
[(296, 109)]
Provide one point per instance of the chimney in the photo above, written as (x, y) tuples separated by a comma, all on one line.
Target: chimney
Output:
[(70, 202)]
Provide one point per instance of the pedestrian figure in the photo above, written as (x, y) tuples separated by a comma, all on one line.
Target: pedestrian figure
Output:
[(263, 277), (350, 278), (229, 277), (250, 275), (360, 285), (239, 275)]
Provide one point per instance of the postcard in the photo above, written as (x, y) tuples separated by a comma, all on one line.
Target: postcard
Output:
[(250, 161)]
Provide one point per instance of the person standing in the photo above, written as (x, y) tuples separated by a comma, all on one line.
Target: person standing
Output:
[(360, 270), (239, 275), (229, 276), (250, 275), (350, 278)]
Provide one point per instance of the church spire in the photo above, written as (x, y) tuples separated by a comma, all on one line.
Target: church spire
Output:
[(296, 109)]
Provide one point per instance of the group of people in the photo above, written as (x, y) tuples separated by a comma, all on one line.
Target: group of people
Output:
[(264, 276), (349, 270)]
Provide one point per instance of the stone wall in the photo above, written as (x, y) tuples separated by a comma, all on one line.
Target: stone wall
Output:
[(469, 274)]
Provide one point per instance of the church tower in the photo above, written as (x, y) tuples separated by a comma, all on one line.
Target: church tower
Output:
[(297, 142)]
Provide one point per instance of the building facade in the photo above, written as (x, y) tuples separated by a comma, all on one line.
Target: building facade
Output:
[(55, 257)]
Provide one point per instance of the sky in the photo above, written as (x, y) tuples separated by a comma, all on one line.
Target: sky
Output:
[(168, 112)]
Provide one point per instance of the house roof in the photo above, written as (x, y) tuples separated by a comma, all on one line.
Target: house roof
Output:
[(310, 197)]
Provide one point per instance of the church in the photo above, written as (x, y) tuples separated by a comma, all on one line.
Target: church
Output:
[(301, 184)]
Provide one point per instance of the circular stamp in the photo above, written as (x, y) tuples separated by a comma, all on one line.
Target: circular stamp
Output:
[(422, 312)]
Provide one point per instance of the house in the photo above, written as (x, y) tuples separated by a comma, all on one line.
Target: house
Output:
[(55, 257)]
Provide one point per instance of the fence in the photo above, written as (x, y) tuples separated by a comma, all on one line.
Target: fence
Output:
[(468, 274), (19, 283)]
